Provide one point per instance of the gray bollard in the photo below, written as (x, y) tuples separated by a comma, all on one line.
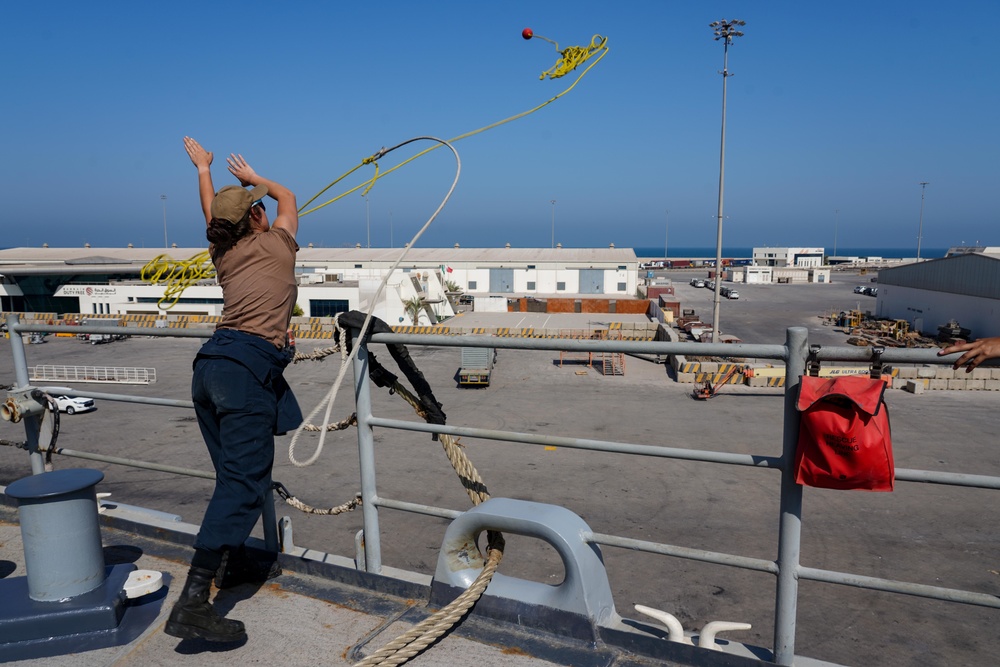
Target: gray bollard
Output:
[(60, 532), (578, 605)]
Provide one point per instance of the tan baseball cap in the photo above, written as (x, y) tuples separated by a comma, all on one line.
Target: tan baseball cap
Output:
[(232, 202)]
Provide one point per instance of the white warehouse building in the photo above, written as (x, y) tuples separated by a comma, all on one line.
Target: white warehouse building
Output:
[(331, 280), (964, 288)]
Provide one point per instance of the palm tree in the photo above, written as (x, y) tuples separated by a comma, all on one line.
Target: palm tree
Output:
[(413, 306)]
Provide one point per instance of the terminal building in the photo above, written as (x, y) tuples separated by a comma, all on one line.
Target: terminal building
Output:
[(782, 265), (331, 280), (801, 258)]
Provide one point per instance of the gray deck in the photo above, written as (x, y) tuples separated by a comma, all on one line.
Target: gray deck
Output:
[(292, 620)]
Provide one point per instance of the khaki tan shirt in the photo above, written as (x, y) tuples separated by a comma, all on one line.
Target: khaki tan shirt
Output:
[(258, 284)]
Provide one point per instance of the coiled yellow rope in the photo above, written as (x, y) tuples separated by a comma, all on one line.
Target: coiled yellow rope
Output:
[(178, 274), (573, 56)]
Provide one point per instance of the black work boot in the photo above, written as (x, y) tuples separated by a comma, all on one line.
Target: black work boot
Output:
[(239, 567), (193, 617)]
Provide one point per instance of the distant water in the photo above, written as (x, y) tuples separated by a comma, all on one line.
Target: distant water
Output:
[(681, 252), (656, 252)]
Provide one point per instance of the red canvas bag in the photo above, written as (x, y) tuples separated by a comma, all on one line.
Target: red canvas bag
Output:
[(844, 439)]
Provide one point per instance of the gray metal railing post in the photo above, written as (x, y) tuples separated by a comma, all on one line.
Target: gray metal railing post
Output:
[(790, 520), (366, 456), (32, 423), (269, 522)]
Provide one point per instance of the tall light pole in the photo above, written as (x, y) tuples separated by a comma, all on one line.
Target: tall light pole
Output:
[(553, 202), (836, 223), (368, 221), (724, 30), (163, 198), (666, 233), (920, 229)]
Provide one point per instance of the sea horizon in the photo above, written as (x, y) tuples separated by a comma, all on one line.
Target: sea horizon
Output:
[(746, 252)]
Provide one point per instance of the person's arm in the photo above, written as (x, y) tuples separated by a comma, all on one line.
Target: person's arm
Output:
[(287, 217), (202, 159), (975, 353)]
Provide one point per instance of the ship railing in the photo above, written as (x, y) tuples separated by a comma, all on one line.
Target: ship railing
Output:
[(102, 374), (786, 568)]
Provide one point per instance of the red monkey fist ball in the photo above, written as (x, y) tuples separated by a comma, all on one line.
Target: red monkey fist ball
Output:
[(527, 34)]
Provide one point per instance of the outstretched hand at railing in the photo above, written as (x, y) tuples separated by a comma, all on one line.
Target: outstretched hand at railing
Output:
[(976, 352)]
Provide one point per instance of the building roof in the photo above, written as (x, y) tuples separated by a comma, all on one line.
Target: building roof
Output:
[(971, 274), (982, 250), (465, 255), (429, 256)]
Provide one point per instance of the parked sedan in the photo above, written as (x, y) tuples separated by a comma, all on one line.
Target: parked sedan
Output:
[(72, 404)]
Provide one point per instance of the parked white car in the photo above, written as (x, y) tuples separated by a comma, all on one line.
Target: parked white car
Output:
[(72, 404)]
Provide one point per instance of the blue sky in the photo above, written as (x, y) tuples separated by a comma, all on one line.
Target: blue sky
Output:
[(844, 106)]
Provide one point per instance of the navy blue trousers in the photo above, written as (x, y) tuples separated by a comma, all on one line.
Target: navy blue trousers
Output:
[(236, 414)]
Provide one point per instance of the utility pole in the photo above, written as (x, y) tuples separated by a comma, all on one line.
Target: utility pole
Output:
[(836, 223), (666, 233), (163, 198), (920, 229), (553, 202), (724, 30), (368, 221)]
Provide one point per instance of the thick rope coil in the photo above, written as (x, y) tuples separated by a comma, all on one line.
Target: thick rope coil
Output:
[(316, 355), (177, 274), (423, 634), (335, 426), (286, 495)]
